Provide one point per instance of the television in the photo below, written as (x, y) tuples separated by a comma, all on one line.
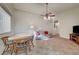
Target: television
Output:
[(76, 29)]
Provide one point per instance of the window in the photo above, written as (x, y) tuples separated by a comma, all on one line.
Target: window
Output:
[(5, 21)]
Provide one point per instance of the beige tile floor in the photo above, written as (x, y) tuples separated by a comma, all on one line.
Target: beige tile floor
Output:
[(53, 46)]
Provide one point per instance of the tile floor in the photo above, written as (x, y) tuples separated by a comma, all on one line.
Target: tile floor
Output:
[(53, 46)]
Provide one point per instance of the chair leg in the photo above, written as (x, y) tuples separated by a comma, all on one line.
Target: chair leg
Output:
[(16, 52), (32, 43), (12, 50), (28, 45), (6, 48), (3, 52), (15, 49)]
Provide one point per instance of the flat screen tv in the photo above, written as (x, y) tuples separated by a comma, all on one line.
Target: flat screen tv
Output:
[(76, 29)]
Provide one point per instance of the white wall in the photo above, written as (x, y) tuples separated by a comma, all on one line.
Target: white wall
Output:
[(23, 21), (67, 19)]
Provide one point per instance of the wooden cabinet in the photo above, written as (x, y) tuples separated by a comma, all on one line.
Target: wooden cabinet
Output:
[(75, 38)]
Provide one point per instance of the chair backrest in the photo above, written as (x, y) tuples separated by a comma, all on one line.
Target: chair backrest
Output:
[(19, 41), (5, 39)]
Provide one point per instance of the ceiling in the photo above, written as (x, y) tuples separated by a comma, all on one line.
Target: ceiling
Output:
[(39, 8)]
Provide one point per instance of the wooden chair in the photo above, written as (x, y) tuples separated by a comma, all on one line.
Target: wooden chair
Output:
[(30, 42), (19, 44), (8, 45), (22, 44)]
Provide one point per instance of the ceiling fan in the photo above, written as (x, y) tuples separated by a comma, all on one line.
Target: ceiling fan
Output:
[(48, 15)]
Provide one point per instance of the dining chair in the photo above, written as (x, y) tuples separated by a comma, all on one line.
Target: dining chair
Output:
[(31, 41), (8, 45), (19, 45), (22, 44)]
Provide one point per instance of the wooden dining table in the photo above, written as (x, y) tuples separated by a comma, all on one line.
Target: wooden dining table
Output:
[(21, 37)]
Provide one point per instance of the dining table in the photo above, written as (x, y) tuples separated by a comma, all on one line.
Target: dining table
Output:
[(21, 37)]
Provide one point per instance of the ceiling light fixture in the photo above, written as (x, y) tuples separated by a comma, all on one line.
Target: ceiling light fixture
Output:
[(48, 14)]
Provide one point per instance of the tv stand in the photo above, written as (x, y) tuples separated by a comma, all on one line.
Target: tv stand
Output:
[(74, 37)]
